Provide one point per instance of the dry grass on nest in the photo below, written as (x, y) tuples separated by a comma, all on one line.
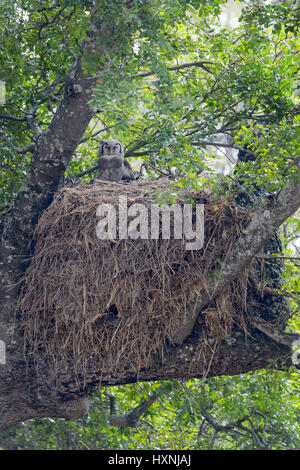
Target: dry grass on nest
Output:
[(118, 302)]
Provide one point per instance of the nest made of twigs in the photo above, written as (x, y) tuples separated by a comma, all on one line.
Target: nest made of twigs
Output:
[(117, 302)]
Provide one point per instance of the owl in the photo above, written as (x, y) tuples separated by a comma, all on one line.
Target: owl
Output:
[(112, 164)]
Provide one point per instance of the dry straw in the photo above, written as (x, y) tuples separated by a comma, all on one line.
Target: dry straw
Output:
[(117, 303)]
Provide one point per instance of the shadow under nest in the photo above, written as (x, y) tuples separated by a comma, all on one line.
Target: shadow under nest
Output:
[(116, 303)]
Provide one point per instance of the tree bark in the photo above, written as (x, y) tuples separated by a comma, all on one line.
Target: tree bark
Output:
[(264, 225), (25, 396)]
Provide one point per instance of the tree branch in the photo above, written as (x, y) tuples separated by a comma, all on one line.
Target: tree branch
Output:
[(6, 117), (279, 337), (201, 64), (130, 419), (265, 223), (200, 143), (28, 148), (237, 428)]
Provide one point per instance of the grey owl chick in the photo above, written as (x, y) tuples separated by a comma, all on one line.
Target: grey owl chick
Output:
[(111, 160), (112, 164)]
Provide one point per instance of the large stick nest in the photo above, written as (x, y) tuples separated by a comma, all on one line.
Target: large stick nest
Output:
[(118, 302)]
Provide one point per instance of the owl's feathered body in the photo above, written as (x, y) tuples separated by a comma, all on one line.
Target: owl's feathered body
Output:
[(112, 164), (111, 160)]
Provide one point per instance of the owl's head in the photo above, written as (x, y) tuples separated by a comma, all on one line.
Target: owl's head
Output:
[(111, 148)]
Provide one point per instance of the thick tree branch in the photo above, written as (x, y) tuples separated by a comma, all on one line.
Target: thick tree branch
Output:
[(29, 400), (265, 223)]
